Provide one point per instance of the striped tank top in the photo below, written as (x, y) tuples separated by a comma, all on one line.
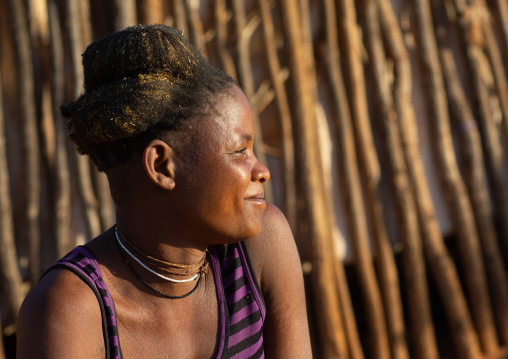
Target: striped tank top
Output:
[(241, 305)]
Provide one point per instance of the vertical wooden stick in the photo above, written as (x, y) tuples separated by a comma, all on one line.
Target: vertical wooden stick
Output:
[(61, 176), (150, 11), (317, 227), (125, 13), (284, 112), (502, 12), (244, 32), (420, 321), (89, 201), (378, 339), (180, 18), (221, 34), (196, 25), (30, 137), (471, 20), (10, 278), (2, 348), (441, 265), (369, 166), (453, 185), (495, 147), (476, 181)]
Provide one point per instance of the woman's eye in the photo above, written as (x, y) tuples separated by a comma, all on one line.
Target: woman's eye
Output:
[(242, 151)]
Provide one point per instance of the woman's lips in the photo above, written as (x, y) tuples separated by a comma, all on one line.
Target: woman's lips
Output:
[(257, 199)]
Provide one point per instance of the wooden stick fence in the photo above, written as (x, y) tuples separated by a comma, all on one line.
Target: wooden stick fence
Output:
[(318, 73)]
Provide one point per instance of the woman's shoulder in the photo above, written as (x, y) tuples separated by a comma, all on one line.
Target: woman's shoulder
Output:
[(60, 312), (277, 264), (273, 244)]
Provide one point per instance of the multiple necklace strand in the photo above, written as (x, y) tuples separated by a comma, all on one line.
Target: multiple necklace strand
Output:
[(156, 261), (202, 269)]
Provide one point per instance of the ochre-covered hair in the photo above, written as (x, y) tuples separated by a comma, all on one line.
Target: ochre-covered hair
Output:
[(140, 82)]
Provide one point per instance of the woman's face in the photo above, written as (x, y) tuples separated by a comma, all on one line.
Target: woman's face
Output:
[(219, 180)]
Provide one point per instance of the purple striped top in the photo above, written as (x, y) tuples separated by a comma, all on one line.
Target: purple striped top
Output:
[(241, 306)]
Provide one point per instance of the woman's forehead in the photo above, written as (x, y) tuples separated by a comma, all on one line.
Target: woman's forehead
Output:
[(230, 116)]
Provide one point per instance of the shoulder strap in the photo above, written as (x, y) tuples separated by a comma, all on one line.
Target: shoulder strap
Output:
[(245, 305), (82, 262)]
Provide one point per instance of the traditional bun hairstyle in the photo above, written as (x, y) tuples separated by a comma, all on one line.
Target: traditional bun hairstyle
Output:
[(140, 83)]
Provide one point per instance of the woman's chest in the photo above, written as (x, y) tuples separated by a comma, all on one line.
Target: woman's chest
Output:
[(170, 331)]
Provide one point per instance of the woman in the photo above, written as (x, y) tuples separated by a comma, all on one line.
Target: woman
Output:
[(198, 265)]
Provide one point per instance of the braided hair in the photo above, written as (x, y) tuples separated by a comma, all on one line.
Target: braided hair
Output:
[(140, 83)]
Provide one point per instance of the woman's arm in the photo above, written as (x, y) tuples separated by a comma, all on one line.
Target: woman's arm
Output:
[(277, 264), (60, 318)]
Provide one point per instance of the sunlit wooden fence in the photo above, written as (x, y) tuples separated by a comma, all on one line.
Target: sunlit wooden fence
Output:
[(343, 92)]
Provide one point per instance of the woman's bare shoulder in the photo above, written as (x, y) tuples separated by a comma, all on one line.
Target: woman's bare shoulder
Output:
[(276, 261), (276, 236), (60, 318)]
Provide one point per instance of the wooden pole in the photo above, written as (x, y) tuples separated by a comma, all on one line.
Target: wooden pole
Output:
[(180, 18), (373, 304), (10, 278), (441, 265), (421, 328), (222, 17), (497, 155), (475, 23), (61, 175), (502, 12), (370, 173), (453, 185), (150, 11), (125, 13), (316, 226), (476, 182), (244, 31), (197, 35), (30, 132), (84, 177), (100, 184), (2, 347), (276, 75)]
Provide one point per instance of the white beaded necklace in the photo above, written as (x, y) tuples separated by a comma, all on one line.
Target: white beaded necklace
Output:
[(150, 269)]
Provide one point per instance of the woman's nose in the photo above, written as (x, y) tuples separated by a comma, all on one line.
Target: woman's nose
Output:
[(260, 172)]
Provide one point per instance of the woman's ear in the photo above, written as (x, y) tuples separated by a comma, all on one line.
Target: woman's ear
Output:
[(158, 163)]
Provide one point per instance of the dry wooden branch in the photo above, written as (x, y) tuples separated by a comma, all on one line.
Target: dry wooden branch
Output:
[(373, 303), (125, 13), (502, 12), (499, 187), (221, 30), (317, 226), (150, 11), (98, 180), (284, 113), (180, 18), (84, 177), (470, 19), (420, 322), (10, 278), (197, 35), (263, 97), (244, 32), (369, 166), (453, 185), (441, 265), (2, 349), (476, 181), (61, 175), (30, 130)]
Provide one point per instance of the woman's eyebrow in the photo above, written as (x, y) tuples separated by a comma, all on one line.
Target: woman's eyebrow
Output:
[(247, 137)]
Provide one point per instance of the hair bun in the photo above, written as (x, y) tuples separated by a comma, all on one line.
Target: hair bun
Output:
[(145, 49)]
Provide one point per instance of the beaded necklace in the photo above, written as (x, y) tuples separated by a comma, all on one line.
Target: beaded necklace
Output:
[(152, 288)]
